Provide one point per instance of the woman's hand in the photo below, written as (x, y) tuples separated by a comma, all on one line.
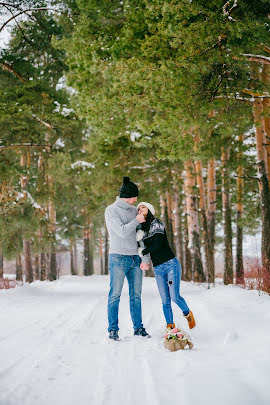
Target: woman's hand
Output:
[(144, 266)]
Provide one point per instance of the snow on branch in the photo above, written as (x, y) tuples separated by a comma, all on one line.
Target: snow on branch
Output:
[(258, 58), (226, 11), (82, 164)]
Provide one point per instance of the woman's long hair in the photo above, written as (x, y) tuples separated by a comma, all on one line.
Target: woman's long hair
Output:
[(149, 218)]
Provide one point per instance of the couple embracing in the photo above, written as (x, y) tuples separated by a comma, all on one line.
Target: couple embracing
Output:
[(137, 237)]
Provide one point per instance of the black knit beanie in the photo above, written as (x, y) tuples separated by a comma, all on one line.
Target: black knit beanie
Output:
[(128, 189)]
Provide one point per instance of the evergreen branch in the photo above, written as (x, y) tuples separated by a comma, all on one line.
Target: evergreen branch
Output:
[(22, 12), (10, 69)]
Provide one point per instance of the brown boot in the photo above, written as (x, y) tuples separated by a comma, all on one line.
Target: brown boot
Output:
[(171, 325), (191, 320)]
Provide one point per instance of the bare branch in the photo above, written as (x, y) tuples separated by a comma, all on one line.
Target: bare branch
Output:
[(10, 69), (44, 123), (258, 58), (266, 48), (23, 12), (24, 145)]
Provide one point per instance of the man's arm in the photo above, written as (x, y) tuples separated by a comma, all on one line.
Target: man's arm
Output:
[(114, 222)]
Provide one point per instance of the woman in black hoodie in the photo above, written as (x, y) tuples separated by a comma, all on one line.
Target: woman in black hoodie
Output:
[(153, 241)]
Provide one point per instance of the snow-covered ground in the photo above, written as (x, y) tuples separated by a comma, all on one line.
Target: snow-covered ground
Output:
[(54, 348)]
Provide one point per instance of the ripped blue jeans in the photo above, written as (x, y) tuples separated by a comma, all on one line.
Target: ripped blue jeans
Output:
[(168, 276)]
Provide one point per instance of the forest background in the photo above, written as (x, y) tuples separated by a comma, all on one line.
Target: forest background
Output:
[(173, 94)]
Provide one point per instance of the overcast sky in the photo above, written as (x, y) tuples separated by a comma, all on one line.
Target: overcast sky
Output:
[(4, 35)]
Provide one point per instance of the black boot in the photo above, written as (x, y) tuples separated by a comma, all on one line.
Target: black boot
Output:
[(114, 335), (141, 332)]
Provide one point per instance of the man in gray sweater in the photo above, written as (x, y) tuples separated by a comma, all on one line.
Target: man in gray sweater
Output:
[(121, 220)]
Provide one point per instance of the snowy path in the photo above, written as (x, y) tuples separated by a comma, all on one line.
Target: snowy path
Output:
[(54, 348)]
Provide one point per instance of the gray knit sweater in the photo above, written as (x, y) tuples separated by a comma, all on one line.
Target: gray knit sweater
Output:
[(121, 223)]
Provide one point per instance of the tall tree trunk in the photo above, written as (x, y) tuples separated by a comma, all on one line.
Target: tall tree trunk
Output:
[(91, 250), (40, 232), (28, 262), (263, 182), (75, 256), (106, 252), (52, 229), (211, 202), (19, 274), (37, 269), (177, 225), (209, 254), (42, 266), (163, 210), (226, 204), (266, 117), (193, 223), (1, 263), (72, 259), (101, 252), (187, 262), (239, 214), (86, 248), (169, 229), (53, 264), (25, 162)]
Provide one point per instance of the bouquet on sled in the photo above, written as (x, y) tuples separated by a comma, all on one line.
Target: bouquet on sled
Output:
[(176, 339)]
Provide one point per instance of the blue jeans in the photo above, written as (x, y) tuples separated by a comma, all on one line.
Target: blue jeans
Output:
[(121, 266), (168, 276)]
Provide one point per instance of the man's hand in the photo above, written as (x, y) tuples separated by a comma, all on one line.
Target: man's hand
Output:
[(144, 266), (140, 218)]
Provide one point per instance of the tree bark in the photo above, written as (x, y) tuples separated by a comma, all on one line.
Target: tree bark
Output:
[(101, 252), (226, 204), (208, 249), (266, 117), (263, 182), (53, 264), (52, 229), (29, 277), (211, 202), (37, 269), (19, 274), (1, 263), (239, 269), (28, 262), (177, 225), (86, 250), (71, 251), (169, 228), (42, 267), (193, 224), (187, 262), (106, 252)]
